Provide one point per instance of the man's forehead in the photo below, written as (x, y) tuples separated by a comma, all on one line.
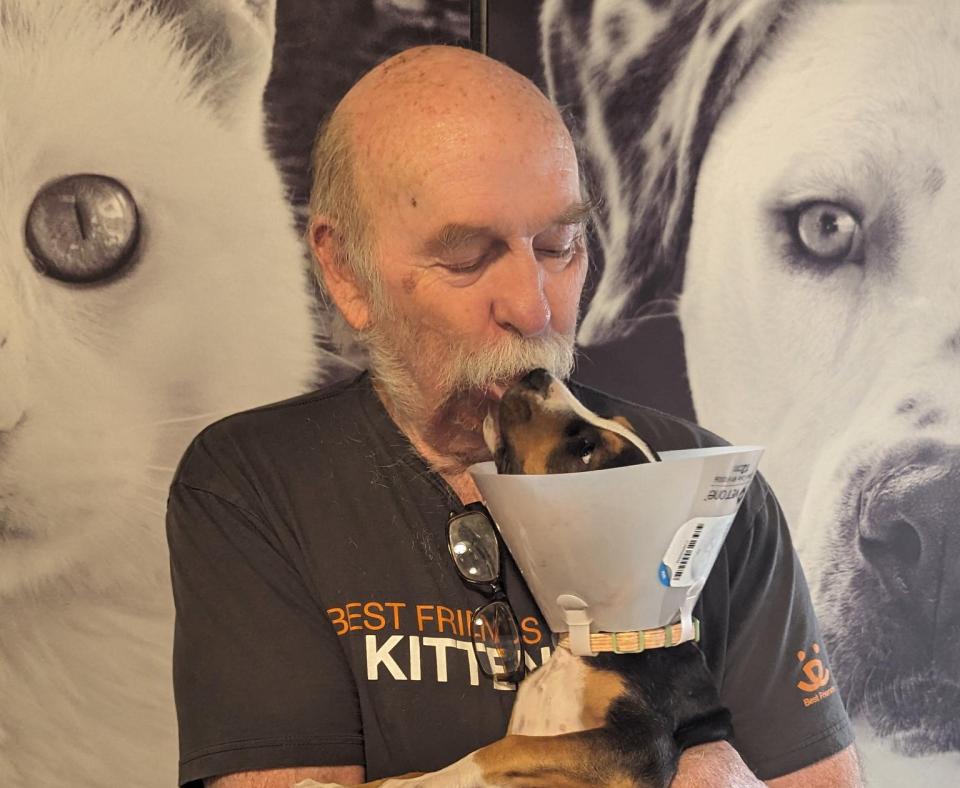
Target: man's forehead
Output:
[(449, 145), (441, 165), (453, 193), (416, 143)]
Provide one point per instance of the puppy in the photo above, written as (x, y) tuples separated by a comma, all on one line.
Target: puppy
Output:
[(615, 719)]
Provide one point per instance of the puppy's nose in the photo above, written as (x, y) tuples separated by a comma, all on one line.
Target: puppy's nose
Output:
[(908, 531), (538, 380)]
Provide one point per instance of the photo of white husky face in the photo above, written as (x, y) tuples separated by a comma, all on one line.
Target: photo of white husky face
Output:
[(838, 218), (791, 169), (150, 282)]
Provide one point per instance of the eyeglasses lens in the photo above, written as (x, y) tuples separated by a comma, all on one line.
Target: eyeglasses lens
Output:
[(473, 545), (495, 629)]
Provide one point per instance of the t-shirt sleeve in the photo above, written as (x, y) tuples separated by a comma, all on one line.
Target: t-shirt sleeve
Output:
[(259, 678), (787, 711)]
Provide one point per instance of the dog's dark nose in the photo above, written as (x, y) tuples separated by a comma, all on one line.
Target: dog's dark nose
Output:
[(908, 531), (538, 380)]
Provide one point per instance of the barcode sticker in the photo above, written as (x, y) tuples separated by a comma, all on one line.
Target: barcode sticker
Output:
[(693, 550)]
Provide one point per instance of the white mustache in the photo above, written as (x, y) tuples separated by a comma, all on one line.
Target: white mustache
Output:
[(507, 360)]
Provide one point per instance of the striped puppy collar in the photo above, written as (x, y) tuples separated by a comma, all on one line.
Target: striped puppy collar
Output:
[(636, 641)]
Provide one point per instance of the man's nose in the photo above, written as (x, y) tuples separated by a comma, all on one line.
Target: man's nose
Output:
[(520, 302)]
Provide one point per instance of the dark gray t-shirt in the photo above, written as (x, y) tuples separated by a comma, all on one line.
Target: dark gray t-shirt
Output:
[(320, 620)]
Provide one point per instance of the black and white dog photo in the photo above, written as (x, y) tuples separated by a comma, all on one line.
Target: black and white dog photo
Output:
[(788, 171)]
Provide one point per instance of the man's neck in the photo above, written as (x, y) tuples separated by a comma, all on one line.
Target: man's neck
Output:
[(451, 466), (457, 477)]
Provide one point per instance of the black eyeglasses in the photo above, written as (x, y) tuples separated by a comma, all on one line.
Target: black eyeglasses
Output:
[(475, 548)]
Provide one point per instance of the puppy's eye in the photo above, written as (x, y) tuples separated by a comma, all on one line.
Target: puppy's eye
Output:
[(586, 453), (826, 232)]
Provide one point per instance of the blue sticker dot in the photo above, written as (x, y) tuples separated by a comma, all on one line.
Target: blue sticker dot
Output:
[(664, 574)]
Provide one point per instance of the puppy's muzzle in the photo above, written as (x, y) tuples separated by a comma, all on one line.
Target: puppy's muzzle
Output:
[(514, 407)]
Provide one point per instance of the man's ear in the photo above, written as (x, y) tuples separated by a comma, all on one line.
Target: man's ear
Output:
[(341, 283)]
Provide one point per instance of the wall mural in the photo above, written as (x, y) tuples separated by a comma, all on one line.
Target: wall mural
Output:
[(777, 195), (788, 168), (152, 280)]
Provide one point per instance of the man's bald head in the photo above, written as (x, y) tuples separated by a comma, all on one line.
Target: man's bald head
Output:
[(400, 119), (448, 226), (437, 95)]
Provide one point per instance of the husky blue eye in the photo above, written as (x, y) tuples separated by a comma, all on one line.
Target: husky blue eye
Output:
[(82, 228)]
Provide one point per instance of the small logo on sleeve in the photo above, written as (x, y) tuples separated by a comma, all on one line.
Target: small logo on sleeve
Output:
[(815, 678)]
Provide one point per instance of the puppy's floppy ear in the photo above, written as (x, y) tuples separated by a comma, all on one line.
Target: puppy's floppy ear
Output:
[(623, 421), (649, 87)]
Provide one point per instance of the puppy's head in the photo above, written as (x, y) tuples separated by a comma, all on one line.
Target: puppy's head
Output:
[(540, 427)]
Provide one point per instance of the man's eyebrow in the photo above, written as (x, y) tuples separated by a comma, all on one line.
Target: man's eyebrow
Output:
[(453, 236), (576, 213)]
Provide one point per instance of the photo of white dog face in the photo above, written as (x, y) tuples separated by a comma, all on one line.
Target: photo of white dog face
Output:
[(791, 169)]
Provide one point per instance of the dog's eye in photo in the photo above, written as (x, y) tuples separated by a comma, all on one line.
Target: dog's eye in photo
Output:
[(826, 232)]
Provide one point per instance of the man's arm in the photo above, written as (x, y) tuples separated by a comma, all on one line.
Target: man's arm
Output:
[(718, 764), (285, 778), (837, 771), (771, 628), (714, 764)]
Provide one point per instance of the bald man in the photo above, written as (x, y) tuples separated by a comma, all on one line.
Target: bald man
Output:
[(322, 628)]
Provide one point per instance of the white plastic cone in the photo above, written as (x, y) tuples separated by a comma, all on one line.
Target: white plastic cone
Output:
[(620, 549)]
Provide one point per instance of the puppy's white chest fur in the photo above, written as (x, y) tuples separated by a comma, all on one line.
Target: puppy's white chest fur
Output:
[(551, 700)]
